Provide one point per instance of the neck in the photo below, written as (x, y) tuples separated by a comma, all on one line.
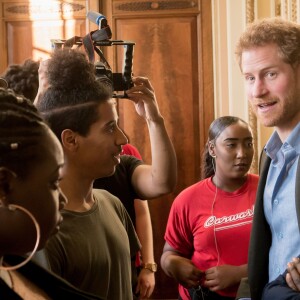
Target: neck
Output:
[(79, 194), (230, 185), (284, 133)]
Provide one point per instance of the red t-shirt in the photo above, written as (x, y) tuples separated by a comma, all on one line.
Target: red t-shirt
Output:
[(212, 227), (128, 149)]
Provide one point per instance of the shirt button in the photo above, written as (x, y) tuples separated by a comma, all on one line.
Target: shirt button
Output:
[(277, 270), (276, 202), (280, 235)]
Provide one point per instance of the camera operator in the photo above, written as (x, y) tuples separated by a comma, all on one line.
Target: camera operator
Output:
[(147, 181)]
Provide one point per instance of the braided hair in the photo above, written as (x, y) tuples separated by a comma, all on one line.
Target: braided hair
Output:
[(21, 129)]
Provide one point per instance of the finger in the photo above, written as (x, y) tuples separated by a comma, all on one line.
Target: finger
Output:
[(149, 292), (296, 262), (142, 81), (143, 293), (191, 283), (210, 283), (141, 89), (210, 276), (294, 273), (137, 289), (290, 282), (214, 288)]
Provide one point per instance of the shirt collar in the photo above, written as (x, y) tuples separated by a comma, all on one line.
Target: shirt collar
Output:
[(274, 144)]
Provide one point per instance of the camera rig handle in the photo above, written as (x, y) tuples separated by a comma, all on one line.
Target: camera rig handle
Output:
[(127, 64), (126, 75), (121, 81)]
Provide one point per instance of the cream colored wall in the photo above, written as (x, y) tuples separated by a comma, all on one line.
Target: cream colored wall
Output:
[(229, 20)]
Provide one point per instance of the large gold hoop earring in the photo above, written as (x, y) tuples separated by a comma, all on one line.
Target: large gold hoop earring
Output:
[(13, 207)]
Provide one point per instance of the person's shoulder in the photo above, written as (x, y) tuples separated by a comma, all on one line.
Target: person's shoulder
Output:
[(104, 197), (128, 163), (193, 190), (254, 178), (100, 195), (197, 185)]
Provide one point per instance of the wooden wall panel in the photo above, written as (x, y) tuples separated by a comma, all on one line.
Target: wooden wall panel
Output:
[(28, 26)]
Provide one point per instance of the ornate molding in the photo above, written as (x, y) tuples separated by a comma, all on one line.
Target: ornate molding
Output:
[(250, 17), (294, 11), (250, 13), (42, 9), (289, 9), (140, 6)]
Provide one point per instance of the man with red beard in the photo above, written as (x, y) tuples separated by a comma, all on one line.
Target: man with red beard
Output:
[(268, 53)]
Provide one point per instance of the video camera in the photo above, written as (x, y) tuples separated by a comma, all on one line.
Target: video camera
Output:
[(92, 43)]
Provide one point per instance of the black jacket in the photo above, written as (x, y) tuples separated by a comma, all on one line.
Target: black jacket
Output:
[(261, 238)]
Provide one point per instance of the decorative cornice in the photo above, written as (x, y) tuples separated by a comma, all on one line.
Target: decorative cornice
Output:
[(57, 7), (155, 5)]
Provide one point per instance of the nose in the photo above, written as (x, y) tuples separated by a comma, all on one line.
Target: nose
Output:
[(259, 89), (62, 199), (121, 137), (242, 151)]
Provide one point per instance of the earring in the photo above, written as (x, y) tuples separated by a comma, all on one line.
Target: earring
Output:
[(13, 207)]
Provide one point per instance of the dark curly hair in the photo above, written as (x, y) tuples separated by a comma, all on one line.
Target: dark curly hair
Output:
[(23, 78), (73, 96)]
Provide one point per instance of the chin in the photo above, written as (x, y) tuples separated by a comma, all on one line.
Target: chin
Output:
[(112, 171)]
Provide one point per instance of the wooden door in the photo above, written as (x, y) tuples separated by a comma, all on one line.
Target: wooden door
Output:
[(27, 27), (174, 50)]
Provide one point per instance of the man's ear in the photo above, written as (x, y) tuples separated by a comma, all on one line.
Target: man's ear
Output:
[(6, 183), (69, 140)]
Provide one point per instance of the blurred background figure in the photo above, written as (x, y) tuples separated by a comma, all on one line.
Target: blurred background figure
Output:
[(23, 78)]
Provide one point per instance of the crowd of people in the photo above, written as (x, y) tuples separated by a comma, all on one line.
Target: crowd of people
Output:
[(73, 191)]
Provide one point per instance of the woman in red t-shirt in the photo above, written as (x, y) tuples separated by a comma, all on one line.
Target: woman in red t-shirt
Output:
[(208, 230)]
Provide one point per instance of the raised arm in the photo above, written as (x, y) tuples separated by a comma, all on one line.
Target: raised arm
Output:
[(160, 177)]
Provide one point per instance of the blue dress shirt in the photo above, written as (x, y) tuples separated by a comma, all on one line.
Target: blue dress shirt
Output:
[(279, 201)]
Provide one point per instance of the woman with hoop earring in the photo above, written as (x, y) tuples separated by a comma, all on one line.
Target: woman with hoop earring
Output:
[(208, 229), (31, 158)]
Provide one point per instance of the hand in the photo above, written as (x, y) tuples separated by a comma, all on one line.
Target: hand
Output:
[(185, 272), (221, 277), (43, 79), (143, 96), (146, 283), (293, 276)]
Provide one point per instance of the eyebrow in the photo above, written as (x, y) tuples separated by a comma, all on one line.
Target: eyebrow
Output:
[(236, 139), (265, 69), (110, 123)]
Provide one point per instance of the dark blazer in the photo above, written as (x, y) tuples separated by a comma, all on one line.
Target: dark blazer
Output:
[(260, 240), (279, 290)]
